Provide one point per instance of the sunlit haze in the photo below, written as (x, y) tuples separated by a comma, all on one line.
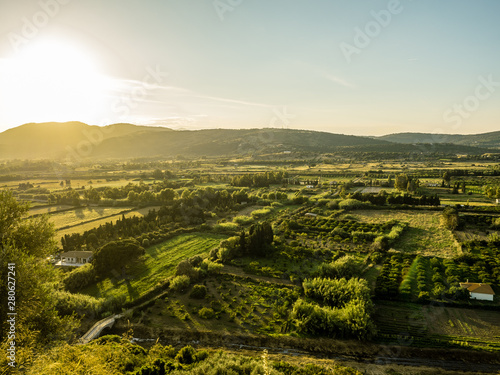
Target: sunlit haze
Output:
[(352, 67)]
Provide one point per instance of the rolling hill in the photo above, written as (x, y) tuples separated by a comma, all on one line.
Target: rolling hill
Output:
[(486, 140), (76, 140)]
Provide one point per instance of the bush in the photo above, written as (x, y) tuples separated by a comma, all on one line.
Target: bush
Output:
[(198, 292), (337, 292), (186, 355), (79, 278), (210, 267), (225, 227), (333, 204), (180, 283), (206, 313), (243, 220), (345, 267), (352, 204), (262, 212), (353, 320), (184, 267)]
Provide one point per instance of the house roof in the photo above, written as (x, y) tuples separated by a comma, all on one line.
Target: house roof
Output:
[(77, 254), (478, 288)]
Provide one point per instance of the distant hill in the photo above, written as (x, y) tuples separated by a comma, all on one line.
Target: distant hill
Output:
[(486, 140), (72, 140), (58, 140)]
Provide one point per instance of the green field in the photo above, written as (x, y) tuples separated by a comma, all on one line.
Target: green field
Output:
[(158, 263), (424, 235)]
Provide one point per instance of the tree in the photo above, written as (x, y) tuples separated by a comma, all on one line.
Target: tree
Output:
[(447, 178), (158, 174), (24, 245), (450, 218), (92, 241), (115, 255), (260, 238), (167, 195), (401, 182), (92, 195)]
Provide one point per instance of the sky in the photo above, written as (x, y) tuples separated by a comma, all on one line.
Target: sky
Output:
[(353, 67)]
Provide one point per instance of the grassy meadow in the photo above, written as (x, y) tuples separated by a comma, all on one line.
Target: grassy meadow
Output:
[(154, 267)]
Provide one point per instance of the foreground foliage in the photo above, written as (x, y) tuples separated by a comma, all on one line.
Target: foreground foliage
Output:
[(114, 355)]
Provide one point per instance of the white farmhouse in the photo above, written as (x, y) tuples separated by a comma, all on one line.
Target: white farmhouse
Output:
[(75, 258), (479, 291)]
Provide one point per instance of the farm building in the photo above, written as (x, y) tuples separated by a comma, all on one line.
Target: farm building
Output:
[(75, 258), (310, 214), (479, 291)]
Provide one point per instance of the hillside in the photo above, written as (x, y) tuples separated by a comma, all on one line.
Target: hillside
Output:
[(488, 140), (76, 140), (62, 140)]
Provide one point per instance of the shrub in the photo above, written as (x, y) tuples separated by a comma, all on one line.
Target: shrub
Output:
[(352, 320), (345, 267), (79, 278), (352, 204), (337, 292), (184, 267), (198, 292), (81, 304), (261, 212), (186, 355), (225, 227), (210, 267), (243, 220), (333, 204), (180, 283), (206, 313)]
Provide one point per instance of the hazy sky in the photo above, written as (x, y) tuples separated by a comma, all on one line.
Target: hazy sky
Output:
[(353, 67)]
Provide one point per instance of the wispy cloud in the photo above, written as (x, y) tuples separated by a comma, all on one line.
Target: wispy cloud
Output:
[(340, 81), (235, 101)]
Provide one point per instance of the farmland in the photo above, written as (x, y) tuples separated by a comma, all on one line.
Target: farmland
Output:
[(157, 264), (423, 235), (232, 249), (437, 326), (78, 216)]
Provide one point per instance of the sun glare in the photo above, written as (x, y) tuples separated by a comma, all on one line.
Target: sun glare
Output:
[(52, 81)]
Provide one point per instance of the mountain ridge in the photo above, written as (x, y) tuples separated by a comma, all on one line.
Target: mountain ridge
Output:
[(60, 140)]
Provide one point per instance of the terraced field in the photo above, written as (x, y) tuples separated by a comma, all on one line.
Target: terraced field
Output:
[(437, 326), (158, 263)]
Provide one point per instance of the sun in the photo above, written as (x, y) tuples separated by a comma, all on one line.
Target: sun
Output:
[(51, 80)]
